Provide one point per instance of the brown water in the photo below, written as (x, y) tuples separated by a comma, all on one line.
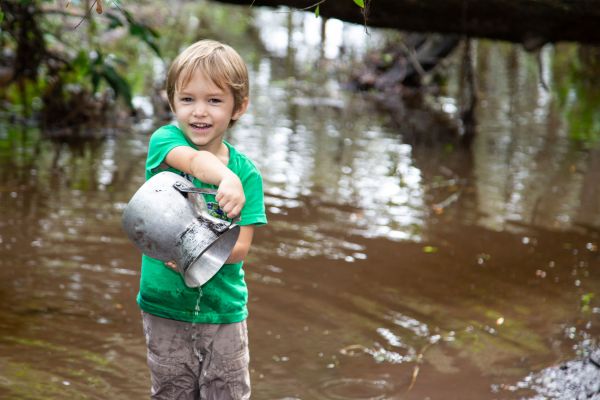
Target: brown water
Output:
[(388, 270)]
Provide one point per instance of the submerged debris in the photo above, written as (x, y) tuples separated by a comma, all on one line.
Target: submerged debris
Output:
[(404, 63)]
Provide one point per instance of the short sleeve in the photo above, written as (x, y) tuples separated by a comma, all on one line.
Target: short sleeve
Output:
[(253, 212), (163, 140)]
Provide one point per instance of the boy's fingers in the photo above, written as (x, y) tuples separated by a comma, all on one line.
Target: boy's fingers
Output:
[(228, 206), (235, 212), (172, 265), (231, 209)]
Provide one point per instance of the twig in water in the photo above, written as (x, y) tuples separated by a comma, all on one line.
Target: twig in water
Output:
[(441, 206), (417, 368), (414, 377)]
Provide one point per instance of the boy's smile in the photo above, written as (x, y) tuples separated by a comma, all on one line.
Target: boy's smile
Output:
[(204, 112)]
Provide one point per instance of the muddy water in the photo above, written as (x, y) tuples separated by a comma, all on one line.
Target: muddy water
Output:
[(389, 270)]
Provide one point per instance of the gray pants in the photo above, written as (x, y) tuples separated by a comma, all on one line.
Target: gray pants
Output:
[(197, 361)]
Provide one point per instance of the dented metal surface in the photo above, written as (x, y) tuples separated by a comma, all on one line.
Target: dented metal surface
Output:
[(168, 219)]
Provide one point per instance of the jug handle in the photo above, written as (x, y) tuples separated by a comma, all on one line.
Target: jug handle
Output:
[(186, 189)]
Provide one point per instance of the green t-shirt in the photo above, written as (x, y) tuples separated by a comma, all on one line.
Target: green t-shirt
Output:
[(223, 298)]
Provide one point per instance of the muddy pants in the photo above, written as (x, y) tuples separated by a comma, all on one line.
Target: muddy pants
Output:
[(197, 361)]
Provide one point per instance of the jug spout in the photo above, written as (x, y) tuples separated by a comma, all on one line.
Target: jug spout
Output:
[(204, 255)]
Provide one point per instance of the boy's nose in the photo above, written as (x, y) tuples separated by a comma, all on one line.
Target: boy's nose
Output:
[(200, 110)]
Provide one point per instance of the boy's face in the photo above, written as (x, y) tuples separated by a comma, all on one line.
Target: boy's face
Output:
[(204, 111)]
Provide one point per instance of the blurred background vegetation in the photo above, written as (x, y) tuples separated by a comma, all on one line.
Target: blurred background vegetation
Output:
[(74, 68)]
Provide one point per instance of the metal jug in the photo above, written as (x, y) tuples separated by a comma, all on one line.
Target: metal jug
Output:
[(168, 219)]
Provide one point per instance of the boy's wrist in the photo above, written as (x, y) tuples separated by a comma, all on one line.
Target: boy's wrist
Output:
[(228, 175)]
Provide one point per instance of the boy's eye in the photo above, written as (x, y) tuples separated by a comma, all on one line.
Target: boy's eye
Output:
[(215, 101), (185, 99)]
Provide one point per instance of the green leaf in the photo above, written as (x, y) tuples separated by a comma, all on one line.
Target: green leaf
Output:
[(146, 35), (430, 249), (114, 20), (95, 81), (96, 68), (1, 16), (118, 84), (80, 67), (360, 3), (144, 32), (586, 299), (317, 11)]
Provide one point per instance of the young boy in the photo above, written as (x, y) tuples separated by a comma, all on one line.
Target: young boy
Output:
[(197, 338)]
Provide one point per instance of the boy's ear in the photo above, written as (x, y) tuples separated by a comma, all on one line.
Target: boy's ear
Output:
[(241, 110)]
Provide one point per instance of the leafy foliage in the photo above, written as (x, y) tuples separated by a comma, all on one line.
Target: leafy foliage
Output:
[(102, 69), (317, 6), (69, 61), (576, 71), (141, 31)]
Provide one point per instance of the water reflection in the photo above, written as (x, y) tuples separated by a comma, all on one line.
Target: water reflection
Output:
[(390, 268), (527, 168)]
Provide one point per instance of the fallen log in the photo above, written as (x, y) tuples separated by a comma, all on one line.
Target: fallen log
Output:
[(531, 22)]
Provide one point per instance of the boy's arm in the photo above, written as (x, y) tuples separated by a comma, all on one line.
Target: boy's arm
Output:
[(242, 246), (209, 169)]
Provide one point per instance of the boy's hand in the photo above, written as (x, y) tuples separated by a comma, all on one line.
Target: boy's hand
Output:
[(230, 195), (210, 169), (172, 265)]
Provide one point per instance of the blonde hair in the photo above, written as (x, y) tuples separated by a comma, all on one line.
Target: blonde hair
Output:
[(219, 62)]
